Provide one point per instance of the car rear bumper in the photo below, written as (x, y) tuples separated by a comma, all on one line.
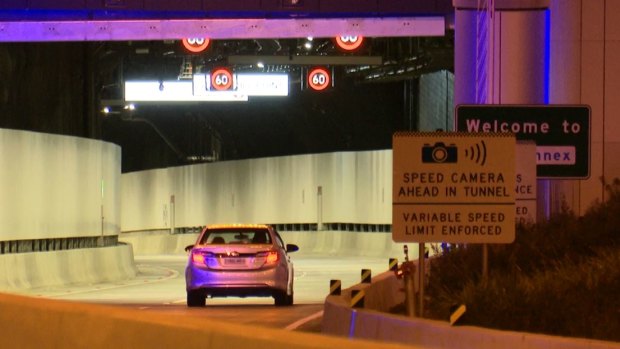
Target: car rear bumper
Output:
[(216, 283)]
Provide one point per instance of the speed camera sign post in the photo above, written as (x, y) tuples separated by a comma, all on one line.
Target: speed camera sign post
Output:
[(453, 187)]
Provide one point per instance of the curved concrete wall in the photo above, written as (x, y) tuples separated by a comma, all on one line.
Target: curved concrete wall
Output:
[(57, 186), (317, 242), (356, 187)]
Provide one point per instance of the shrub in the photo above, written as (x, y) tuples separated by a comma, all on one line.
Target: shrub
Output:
[(559, 277)]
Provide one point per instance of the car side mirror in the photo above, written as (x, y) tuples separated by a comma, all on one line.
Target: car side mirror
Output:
[(291, 248), (188, 248)]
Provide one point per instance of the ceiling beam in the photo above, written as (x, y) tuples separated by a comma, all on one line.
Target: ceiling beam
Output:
[(262, 28), (307, 60)]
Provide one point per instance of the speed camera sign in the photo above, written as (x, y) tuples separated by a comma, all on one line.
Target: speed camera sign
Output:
[(453, 187)]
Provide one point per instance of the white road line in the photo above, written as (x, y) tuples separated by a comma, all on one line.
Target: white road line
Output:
[(300, 322), (172, 274)]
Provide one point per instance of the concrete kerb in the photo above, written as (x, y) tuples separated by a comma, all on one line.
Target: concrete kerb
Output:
[(373, 323)]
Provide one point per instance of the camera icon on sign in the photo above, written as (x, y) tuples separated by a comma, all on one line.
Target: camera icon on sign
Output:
[(439, 153)]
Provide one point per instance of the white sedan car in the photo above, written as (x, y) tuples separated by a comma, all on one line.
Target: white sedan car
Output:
[(239, 260)]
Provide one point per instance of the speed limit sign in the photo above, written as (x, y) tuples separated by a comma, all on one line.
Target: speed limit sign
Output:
[(349, 42), (319, 79), (221, 79), (196, 45)]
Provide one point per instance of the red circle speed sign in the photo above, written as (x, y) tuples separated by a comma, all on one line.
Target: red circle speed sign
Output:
[(221, 79), (349, 42), (318, 79), (196, 45)]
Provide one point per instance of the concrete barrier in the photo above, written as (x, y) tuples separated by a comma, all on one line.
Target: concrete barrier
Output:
[(309, 242), (43, 323), (88, 265), (157, 242), (327, 242), (373, 323)]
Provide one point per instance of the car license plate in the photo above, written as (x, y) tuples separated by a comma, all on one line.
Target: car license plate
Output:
[(233, 261)]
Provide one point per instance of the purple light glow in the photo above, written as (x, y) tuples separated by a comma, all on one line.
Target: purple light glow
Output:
[(109, 30)]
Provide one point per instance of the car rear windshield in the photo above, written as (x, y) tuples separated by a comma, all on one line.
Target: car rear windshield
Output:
[(236, 236)]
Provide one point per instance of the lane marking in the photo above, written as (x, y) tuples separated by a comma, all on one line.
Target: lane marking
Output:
[(172, 274), (301, 322)]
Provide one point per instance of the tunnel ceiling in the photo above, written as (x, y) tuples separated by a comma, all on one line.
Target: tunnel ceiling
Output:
[(398, 58)]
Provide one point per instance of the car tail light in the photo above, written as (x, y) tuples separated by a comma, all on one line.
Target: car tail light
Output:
[(199, 257), (271, 257)]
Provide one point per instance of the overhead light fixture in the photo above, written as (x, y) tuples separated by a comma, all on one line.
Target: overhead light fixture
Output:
[(260, 65), (253, 84), (308, 45)]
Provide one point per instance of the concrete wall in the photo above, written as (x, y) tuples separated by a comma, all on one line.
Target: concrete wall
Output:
[(584, 56), (356, 187), (57, 186), (436, 106), (315, 242)]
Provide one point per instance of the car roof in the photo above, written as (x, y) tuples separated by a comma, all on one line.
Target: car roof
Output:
[(237, 226)]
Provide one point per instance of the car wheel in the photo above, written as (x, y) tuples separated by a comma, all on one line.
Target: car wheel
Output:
[(283, 299), (195, 299), (289, 299)]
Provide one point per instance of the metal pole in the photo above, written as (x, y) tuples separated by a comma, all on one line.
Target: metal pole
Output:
[(409, 284), (172, 214), (101, 239), (421, 269), (102, 227), (485, 262), (319, 213)]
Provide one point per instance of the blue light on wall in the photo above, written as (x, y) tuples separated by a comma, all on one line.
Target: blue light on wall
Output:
[(547, 53)]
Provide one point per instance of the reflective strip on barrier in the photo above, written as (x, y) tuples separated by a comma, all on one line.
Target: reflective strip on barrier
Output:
[(393, 264), (366, 276), (334, 287), (357, 298), (456, 315)]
